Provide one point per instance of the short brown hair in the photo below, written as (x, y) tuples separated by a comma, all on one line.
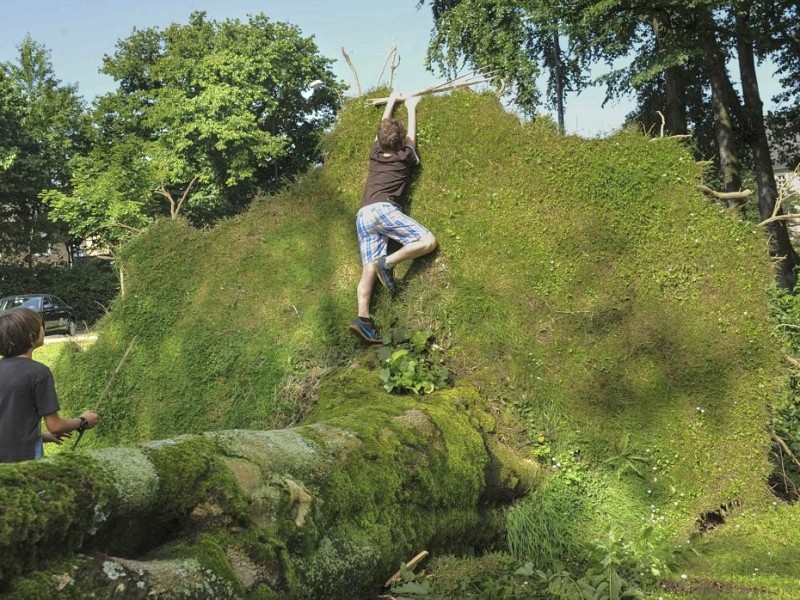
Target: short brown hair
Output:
[(391, 135), (19, 330)]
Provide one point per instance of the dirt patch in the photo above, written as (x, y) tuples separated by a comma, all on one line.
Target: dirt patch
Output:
[(706, 586), (709, 521)]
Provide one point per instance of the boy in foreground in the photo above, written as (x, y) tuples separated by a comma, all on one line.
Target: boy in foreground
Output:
[(27, 391), (392, 158)]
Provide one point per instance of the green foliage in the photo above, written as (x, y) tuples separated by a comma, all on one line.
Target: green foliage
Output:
[(412, 363), (611, 568), (626, 459), (785, 413), (500, 37), (89, 286), (43, 125), (206, 113)]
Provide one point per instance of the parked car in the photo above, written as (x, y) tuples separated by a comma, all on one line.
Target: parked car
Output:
[(57, 316)]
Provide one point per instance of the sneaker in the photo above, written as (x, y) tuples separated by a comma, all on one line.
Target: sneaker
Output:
[(385, 274), (366, 331)]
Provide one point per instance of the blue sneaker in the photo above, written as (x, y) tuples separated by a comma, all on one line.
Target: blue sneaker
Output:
[(385, 274), (365, 329)]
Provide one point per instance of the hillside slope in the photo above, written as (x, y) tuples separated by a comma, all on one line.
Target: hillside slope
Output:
[(583, 284)]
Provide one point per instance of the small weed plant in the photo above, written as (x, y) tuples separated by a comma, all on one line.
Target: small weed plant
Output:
[(625, 459), (412, 363)]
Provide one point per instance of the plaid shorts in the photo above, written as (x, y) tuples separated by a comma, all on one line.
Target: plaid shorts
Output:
[(378, 222)]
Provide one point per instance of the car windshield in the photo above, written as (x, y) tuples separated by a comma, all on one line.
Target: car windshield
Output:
[(24, 301)]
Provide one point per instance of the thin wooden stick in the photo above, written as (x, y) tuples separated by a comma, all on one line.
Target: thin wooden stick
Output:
[(392, 68), (389, 58), (111, 379), (410, 565), (785, 448)]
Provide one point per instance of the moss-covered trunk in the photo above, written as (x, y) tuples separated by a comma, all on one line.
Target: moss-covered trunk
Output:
[(324, 510)]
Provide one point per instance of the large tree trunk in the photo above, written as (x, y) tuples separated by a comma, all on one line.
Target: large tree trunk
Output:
[(675, 120), (324, 510), (722, 100), (559, 80), (780, 244)]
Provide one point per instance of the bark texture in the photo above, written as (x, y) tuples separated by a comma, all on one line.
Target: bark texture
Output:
[(324, 510), (780, 246)]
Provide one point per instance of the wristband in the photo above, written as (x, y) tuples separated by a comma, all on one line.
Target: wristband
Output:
[(84, 424)]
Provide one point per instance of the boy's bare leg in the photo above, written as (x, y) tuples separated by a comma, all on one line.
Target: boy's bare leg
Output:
[(364, 290), (424, 245)]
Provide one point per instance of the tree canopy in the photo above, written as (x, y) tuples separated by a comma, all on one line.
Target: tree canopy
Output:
[(42, 127), (204, 115)]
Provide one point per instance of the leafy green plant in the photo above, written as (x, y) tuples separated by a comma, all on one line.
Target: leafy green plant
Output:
[(625, 459), (785, 414), (412, 363)]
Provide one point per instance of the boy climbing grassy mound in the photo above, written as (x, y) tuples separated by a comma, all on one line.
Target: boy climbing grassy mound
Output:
[(382, 214)]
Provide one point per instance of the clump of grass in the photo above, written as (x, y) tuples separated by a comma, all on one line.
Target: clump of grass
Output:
[(543, 529)]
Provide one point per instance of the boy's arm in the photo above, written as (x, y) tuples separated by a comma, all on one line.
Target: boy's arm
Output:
[(394, 98), (57, 425), (411, 107)]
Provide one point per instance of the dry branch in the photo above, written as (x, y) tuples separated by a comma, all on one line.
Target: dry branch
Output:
[(353, 70), (775, 216), (458, 82), (742, 195), (393, 60), (410, 565), (185, 194), (128, 227), (502, 89), (785, 448), (677, 136)]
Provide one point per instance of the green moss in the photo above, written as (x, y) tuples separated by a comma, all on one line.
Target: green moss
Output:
[(189, 473), (77, 496)]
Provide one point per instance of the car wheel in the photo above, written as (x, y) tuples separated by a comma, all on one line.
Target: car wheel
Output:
[(72, 327)]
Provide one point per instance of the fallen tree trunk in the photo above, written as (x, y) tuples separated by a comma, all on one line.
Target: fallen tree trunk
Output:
[(324, 510)]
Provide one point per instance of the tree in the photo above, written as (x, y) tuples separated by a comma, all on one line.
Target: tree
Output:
[(324, 510), (205, 115), (46, 127), (517, 41), (783, 46)]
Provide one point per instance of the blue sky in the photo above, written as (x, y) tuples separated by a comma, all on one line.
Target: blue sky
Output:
[(79, 32)]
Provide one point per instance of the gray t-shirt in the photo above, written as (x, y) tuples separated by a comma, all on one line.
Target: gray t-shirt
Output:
[(27, 393)]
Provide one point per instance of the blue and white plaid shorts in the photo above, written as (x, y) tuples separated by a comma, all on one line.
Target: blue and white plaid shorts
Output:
[(378, 222)]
